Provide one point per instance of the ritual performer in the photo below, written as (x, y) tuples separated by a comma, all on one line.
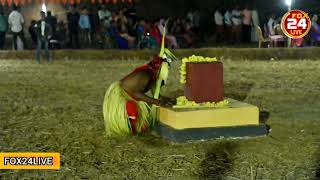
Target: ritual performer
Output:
[(126, 107)]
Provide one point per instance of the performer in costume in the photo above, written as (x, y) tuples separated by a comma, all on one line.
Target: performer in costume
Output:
[(126, 107)]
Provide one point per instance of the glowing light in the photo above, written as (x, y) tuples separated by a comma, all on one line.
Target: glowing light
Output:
[(44, 7), (288, 2)]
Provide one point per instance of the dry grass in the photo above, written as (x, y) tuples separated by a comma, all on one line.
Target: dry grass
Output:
[(57, 107)]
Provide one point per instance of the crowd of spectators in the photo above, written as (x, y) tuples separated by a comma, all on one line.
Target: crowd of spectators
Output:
[(101, 27)]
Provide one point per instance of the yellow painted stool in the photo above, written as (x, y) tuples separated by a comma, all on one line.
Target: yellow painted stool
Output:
[(199, 123)]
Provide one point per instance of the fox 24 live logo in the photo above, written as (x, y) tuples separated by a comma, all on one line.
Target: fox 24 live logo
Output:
[(296, 24)]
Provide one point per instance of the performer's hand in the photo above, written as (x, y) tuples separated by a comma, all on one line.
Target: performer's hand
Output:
[(165, 103), (169, 100)]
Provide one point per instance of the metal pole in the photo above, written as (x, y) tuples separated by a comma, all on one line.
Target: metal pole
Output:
[(289, 39)]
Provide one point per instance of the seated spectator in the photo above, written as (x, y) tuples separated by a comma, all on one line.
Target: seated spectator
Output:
[(104, 16), (140, 27), (297, 42), (315, 31), (123, 32), (147, 27), (187, 32), (155, 32), (178, 31), (272, 24), (113, 30), (144, 39), (121, 17), (171, 39), (276, 34)]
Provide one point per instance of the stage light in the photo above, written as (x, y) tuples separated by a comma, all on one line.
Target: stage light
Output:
[(44, 7), (288, 2)]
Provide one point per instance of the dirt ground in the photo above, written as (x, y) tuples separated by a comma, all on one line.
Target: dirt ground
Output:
[(57, 107)]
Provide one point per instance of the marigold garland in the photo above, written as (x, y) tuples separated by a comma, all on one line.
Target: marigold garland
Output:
[(183, 101), (193, 59)]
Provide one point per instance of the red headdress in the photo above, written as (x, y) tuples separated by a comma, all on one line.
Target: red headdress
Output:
[(152, 67)]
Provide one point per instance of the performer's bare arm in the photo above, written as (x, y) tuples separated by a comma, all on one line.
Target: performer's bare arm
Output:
[(169, 101), (137, 85)]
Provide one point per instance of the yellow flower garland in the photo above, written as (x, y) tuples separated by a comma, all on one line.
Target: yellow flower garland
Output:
[(182, 100), (193, 59)]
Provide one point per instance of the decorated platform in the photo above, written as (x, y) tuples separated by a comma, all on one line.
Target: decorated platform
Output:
[(200, 123), (203, 112)]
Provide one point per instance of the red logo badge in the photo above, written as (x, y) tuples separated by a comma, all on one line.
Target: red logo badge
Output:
[(296, 24)]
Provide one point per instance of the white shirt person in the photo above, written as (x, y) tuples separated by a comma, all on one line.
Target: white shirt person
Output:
[(16, 21)]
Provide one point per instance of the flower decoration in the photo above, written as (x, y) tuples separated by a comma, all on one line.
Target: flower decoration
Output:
[(183, 101)]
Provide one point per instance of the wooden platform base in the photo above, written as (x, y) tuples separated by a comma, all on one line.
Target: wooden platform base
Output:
[(188, 124), (237, 114), (198, 134)]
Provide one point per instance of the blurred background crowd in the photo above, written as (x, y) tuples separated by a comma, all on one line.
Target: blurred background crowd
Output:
[(100, 27)]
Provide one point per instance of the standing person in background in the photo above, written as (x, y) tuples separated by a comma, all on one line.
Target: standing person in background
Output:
[(44, 33), (16, 22), (3, 29), (236, 21), (105, 17), (246, 24), (62, 34), (94, 23), (196, 21), (228, 24), (255, 23), (190, 16), (32, 33), (84, 23), (52, 21), (73, 26), (271, 25), (218, 19)]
